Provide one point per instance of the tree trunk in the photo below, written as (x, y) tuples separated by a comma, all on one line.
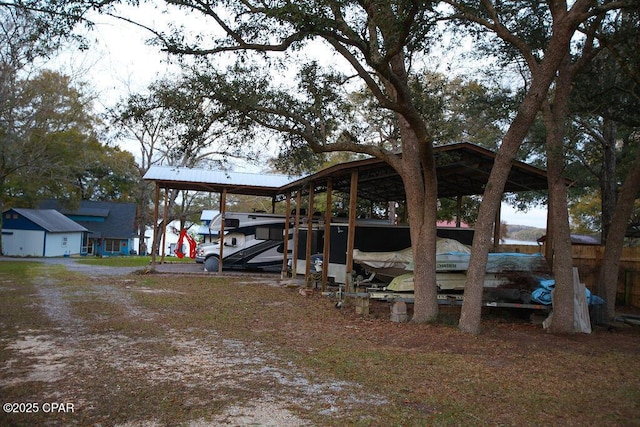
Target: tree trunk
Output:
[(563, 294), (608, 177), (615, 239), (418, 171), (555, 114), (543, 75), (420, 182), (482, 239)]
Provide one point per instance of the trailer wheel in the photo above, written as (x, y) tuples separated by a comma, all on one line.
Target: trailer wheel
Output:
[(211, 264)]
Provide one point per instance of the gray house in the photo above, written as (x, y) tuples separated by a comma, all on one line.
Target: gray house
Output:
[(40, 233), (110, 225)]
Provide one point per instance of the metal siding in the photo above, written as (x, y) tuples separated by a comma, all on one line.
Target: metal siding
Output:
[(23, 243), (55, 245)]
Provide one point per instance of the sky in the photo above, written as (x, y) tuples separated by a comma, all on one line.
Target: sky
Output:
[(535, 217), (120, 62)]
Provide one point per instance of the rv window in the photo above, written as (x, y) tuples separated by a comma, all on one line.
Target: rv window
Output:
[(269, 233), (231, 222)]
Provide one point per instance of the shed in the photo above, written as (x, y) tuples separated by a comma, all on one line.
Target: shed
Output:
[(40, 233)]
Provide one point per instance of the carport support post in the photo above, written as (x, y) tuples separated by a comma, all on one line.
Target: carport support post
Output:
[(154, 244), (296, 236), (223, 210), (307, 272), (327, 236), (164, 224), (353, 201), (285, 247)]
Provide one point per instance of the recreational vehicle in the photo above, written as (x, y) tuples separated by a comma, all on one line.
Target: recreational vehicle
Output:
[(251, 241)]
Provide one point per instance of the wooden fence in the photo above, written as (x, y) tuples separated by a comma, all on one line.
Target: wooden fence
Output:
[(588, 259)]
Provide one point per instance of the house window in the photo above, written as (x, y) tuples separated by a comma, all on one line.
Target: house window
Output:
[(64, 242), (112, 245)]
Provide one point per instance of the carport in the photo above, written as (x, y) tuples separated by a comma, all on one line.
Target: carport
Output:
[(463, 169), (211, 181)]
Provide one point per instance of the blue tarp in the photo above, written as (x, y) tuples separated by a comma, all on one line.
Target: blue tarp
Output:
[(542, 295)]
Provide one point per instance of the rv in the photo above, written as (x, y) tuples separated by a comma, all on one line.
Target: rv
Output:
[(252, 241)]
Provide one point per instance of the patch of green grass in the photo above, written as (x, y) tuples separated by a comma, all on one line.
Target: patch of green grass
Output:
[(128, 261), (19, 299), (116, 261)]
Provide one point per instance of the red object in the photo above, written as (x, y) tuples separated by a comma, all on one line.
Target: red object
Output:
[(192, 245)]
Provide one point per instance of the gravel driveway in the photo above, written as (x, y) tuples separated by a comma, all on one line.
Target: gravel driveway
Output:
[(96, 270), (64, 363)]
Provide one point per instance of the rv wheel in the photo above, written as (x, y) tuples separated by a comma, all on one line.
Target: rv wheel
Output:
[(211, 264)]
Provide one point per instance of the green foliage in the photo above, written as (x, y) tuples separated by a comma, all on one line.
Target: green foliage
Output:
[(53, 150)]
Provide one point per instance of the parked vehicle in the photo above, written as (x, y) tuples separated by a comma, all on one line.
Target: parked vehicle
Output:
[(252, 241)]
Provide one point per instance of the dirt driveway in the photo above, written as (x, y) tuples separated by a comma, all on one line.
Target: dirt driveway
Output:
[(69, 364)]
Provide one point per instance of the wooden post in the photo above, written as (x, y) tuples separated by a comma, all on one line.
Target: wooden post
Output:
[(285, 247), (296, 236), (154, 244), (353, 202), (309, 233), (458, 211), (164, 224), (223, 210), (327, 236)]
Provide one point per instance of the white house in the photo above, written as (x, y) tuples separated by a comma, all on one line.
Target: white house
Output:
[(41, 233), (206, 236)]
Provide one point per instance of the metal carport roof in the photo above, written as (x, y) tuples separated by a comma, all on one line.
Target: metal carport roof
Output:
[(213, 181), (463, 169)]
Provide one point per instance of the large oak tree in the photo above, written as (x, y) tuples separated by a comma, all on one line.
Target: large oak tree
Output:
[(379, 44)]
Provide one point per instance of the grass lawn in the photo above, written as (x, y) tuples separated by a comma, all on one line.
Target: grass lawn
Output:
[(240, 350), (128, 261)]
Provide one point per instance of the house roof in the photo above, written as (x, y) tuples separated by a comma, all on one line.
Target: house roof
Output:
[(50, 220), (110, 220)]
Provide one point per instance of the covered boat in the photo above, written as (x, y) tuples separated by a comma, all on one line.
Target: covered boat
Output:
[(509, 276)]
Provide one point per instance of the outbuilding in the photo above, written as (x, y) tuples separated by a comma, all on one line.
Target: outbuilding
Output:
[(40, 233)]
